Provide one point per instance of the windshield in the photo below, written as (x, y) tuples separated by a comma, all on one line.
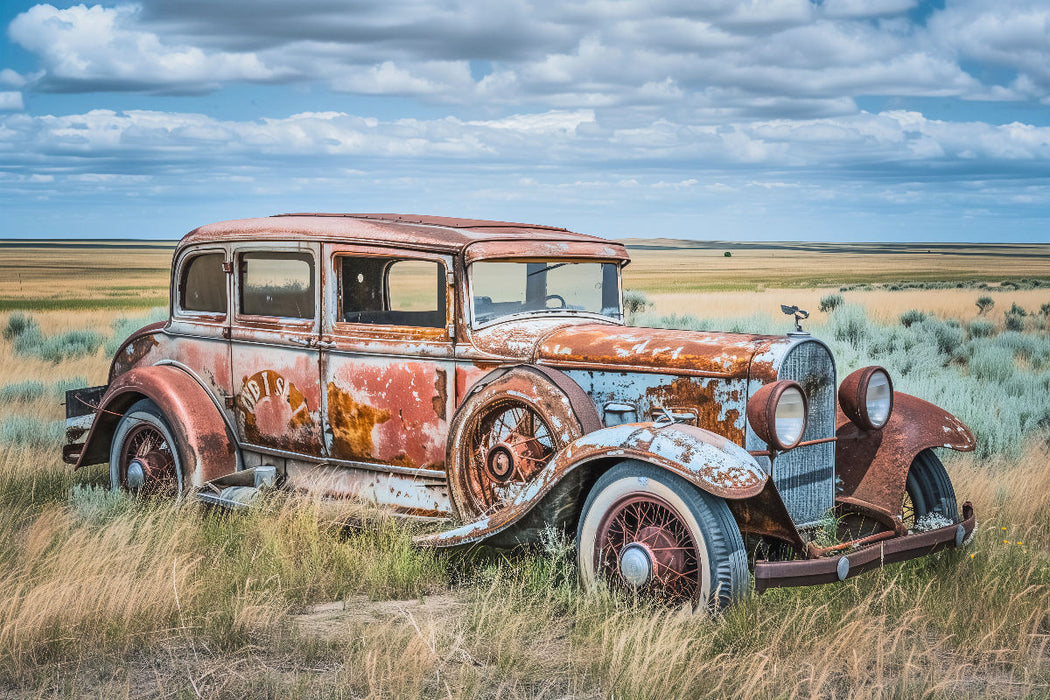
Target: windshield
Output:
[(551, 287)]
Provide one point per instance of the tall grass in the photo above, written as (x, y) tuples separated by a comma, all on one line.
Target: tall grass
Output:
[(102, 594)]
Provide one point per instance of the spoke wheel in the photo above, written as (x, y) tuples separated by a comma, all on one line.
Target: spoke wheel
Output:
[(655, 535), (507, 445), (644, 545), (143, 457)]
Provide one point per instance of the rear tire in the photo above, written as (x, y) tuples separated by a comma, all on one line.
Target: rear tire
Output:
[(143, 455), (930, 493), (649, 531)]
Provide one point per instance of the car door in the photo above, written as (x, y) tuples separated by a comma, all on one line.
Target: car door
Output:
[(387, 358), (274, 357)]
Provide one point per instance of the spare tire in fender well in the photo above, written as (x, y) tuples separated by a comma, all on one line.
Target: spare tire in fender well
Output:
[(200, 431)]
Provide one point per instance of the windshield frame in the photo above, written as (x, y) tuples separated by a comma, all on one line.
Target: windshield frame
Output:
[(546, 313)]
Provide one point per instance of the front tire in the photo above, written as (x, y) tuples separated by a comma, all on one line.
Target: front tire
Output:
[(143, 455), (646, 530), (930, 499)]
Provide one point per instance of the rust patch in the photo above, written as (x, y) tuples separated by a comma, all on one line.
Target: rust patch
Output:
[(440, 400), (272, 408), (687, 392), (134, 351), (352, 423)]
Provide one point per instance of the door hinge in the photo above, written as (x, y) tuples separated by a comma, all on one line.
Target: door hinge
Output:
[(226, 332), (227, 267), (230, 401)]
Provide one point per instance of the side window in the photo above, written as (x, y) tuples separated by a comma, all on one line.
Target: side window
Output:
[(203, 284), (277, 284), (392, 292)]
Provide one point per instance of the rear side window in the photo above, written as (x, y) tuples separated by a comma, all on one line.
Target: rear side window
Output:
[(203, 284), (277, 284), (389, 291)]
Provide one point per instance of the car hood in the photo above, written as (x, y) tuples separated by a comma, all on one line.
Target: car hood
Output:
[(611, 347)]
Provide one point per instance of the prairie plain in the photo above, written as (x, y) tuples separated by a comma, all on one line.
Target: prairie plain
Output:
[(106, 596)]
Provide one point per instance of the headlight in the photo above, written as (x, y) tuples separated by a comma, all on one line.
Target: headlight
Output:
[(777, 413), (866, 397)]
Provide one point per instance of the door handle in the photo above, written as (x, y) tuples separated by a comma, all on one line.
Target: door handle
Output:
[(326, 344), (307, 342)]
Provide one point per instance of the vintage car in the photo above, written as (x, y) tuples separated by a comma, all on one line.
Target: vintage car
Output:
[(480, 372)]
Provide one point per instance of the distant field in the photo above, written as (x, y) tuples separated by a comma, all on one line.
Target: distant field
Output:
[(134, 274), (668, 266)]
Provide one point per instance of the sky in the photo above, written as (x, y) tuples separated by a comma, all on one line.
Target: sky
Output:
[(830, 120)]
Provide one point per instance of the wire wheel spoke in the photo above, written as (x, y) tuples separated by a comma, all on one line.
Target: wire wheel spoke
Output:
[(649, 532), (527, 441), (147, 445)]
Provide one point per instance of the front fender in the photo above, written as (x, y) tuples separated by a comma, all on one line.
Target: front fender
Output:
[(701, 457), (873, 465), (207, 448)]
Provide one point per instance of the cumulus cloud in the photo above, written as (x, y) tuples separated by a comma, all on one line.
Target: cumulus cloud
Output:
[(84, 48), (11, 102), (586, 55), (150, 141)]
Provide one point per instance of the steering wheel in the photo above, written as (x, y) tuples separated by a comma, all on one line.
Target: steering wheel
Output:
[(556, 297)]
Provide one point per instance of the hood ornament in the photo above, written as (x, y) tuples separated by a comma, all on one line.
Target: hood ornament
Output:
[(799, 314)]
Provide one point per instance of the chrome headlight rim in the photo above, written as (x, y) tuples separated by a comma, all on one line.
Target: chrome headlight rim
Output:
[(762, 413), (855, 397)]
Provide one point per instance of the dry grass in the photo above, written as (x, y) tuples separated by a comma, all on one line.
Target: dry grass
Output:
[(104, 596), (663, 265), (881, 305)]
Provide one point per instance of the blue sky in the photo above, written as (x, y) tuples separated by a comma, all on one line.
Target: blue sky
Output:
[(753, 120)]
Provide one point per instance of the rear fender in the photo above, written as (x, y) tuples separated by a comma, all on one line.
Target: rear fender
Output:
[(555, 497), (873, 465), (204, 442)]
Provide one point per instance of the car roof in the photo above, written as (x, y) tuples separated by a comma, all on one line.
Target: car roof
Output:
[(435, 233)]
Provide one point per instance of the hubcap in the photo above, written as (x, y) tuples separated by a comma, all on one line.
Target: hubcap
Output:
[(636, 565), (136, 474)]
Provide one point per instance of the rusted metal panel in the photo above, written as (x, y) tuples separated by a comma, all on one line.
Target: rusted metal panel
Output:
[(765, 515), (562, 249), (715, 404), (618, 348), (416, 232), (402, 494), (774, 574), (873, 465), (207, 448), (391, 410), (703, 458)]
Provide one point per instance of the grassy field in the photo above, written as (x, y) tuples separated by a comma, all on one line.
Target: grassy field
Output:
[(105, 596)]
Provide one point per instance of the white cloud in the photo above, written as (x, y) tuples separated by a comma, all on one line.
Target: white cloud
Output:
[(98, 47), (11, 102), (10, 78), (150, 143), (808, 58), (865, 8)]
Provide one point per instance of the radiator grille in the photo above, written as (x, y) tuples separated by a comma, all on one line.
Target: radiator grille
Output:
[(805, 476)]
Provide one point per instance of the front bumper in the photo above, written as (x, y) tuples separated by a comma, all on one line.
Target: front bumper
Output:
[(810, 572)]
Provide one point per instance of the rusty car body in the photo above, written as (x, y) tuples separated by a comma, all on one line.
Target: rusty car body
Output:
[(495, 385)]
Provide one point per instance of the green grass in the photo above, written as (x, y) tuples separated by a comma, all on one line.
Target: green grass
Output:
[(81, 303)]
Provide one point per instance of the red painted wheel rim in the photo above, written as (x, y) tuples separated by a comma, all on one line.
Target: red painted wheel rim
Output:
[(146, 443), (646, 525)]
